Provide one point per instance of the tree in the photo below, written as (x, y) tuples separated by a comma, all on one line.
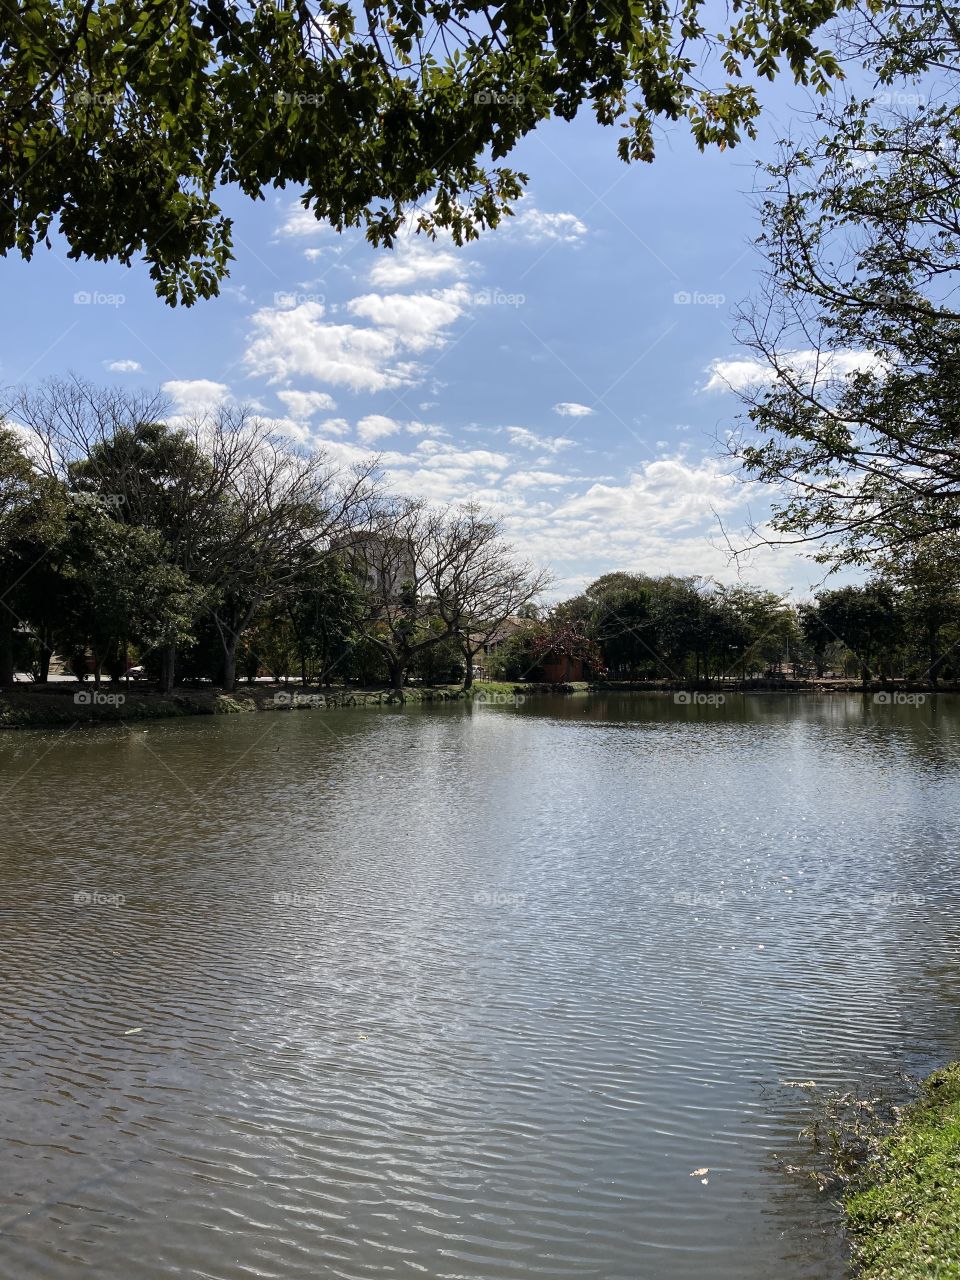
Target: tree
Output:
[(235, 506), (621, 621), (323, 608), (868, 621), (927, 579), (430, 575), (478, 584), (31, 524), (857, 330), (118, 589), (391, 559), (121, 121)]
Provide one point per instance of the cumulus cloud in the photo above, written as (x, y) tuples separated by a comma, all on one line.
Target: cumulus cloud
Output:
[(741, 374), (537, 226), (538, 480), (123, 366), (298, 342), (376, 425), (299, 222), (525, 439), (413, 263), (196, 395), (570, 409), (302, 405), (417, 319)]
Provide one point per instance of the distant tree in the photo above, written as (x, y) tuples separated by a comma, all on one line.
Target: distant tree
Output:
[(235, 507), (32, 514), (479, 583), (868, 621)]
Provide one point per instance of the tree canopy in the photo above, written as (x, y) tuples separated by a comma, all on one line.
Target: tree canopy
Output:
[(121, 121), (853, 416)]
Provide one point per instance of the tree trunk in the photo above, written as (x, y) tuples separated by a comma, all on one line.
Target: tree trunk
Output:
[(6, 647), (46, 653), (396, 675), (468, 675), (168, 667), (933, 671), (230, 664)]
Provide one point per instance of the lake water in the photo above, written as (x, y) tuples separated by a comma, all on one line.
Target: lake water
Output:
[(464, 994)]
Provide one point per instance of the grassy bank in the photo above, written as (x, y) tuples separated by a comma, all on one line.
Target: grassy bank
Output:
[(35, 706), (904, 1217)]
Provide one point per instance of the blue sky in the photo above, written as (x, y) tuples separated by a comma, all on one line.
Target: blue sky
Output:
[(564, 370)]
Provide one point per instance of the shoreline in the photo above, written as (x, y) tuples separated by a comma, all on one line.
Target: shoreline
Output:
[(31, 706), (903, 1215)]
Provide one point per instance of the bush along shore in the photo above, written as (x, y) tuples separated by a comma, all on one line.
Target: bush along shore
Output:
[(904, 1211), (26, 706), (29, 706)]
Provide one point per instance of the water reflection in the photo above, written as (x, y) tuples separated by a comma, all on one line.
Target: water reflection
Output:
[(461, 993)]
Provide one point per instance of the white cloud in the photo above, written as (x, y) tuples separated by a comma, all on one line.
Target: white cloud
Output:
[(741, 374), (428, 429), (538, 480), (196, 395), (418, 319), (570, 409), (297, 342), (332, 427), (376, 425), (300, 222), (413, 263), (123, 366), (538, 227), (525, 439), (302, 405)]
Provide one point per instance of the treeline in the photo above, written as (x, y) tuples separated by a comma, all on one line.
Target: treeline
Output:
[(680, 630), (211, 548)]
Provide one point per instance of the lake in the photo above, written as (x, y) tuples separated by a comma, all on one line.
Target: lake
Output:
[(462, 993)]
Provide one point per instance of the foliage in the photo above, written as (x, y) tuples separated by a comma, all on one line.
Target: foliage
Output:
[(853, 414), (122, 120)]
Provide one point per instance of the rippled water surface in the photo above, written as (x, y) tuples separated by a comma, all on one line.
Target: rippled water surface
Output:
[(461, 994)]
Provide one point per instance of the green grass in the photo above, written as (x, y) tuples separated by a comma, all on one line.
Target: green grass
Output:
[(905, 1217)]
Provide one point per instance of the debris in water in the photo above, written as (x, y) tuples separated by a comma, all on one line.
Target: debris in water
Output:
[(698, 1173), (133, 1031)]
